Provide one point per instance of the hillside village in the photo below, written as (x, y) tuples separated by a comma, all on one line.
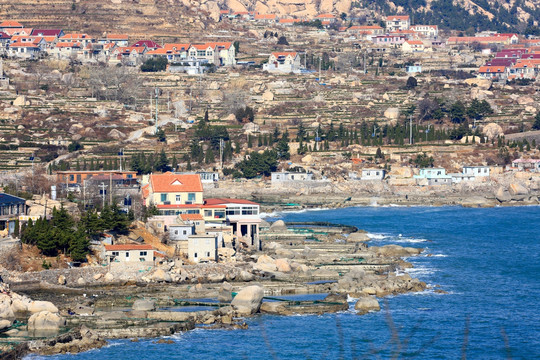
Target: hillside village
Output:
[(160, 156)]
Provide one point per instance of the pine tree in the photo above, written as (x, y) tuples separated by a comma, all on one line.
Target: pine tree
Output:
[(17, 228), (77, 165), (162, 163), (174, 163), (209, 159), (250, 142)]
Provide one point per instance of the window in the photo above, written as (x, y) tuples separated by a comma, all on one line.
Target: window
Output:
[(178, 198), (127, 254), (115, 253), (143, 253), (129, 176), (191, 197), (207, 213), (71, 177), (207, 254), (185, 232), (163, 197), (195, 255), (176, 232)]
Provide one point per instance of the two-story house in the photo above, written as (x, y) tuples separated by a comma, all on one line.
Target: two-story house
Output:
[(283, 62), (397, 22), (173, 189)]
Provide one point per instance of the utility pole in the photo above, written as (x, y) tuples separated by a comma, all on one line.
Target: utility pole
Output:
[(221, 153), (157, 96), (365, 69), (121, 155), (102, 186), (110, 188), (410, 129)]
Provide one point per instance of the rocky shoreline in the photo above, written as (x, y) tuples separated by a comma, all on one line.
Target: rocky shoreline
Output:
[(96, 304)]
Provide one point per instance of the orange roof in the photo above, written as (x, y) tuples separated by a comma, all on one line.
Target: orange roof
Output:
[(11, 23), (49, 38), (127, 247), (138, 49), (162, 52), (25, 44), (202, 46), (285, 54), (414, 42), (170, 182), (225, 45), (75, 36), (365, 27), (178, 47), (145, 191), (188, 217), (397, 17), (492, 69), (287, 21), (325, 16), (68, 44), (479, 39), (15, 31)]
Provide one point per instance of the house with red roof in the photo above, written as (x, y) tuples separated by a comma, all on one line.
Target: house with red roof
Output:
[(365, 30), (83, 39), (5, 40), (493, 72), (397, 22), (289, 22), (413, 46), (265, 18), (283, 61), (130, 55), (173, 189), (149, 44), (58, 33), (117, 39)]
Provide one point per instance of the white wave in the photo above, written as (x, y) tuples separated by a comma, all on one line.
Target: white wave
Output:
[(420, 270), (270, 215), (409, 240), (436, 255), (377, 236)]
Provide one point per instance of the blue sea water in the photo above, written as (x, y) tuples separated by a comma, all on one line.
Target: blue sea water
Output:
[(488, 260)]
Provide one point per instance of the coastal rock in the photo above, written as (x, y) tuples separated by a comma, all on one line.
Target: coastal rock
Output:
[(395, 250), (278, 226), (225, 292), (97, 276), (216, 278), (6, 312), (83, 310), (517, 189), (484, 84), (246, 276), (81, 281), (274, 307), (61, 280), (144, 305), (45, 320), (248, 300), (366, 304), (283, 265), (108, 277), (326, 274), (502, 195), (161, 276), (357, 237), (4, 324), (40, 306)]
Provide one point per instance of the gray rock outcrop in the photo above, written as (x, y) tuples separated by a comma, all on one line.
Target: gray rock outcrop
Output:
[(248, 300), (366, 304), (45, 320)]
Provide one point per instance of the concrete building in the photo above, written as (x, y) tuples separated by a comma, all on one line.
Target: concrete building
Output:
[(397, 22), (284, 176), (202, 248), (285, 62), (243, 216), (373, 174), (11, 208), (532, 165), (172, 189), (434, 176), (476, 170), (129, 253)]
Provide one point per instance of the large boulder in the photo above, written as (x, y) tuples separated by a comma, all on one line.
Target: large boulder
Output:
[(161, 276), (40, 306), (45, 320), (4, 324), (492, 131), (144, 305), (6, 311), (283, 265), (278, 226), (358, 237), (392, 113), (245, 276), (502, 195), (517, 189), (366, 304), (484, 84), (225, 292), (248, 301)]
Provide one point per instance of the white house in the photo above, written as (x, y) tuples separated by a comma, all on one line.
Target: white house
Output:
[(427, 31), (397, 22), (434, 176), (284, 176), (532, 165), (178, 232), (412, 46), (457, 178), (283, 62), (373, 174), (129, 253), (476, 170), (202, 248)]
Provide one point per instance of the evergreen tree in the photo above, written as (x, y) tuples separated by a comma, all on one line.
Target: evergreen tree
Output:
[(209, 159), (250, 142), (162, 163), (174, 163), (536, 124)]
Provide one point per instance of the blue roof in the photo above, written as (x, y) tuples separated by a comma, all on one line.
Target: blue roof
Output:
[(6, 199)]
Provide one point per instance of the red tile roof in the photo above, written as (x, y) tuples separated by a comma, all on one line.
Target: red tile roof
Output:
[(397, 17), (492, 69), (10, 24), (117, 37), (170, 182), (148, 44), (189, 217), (176, 46), (284, 54), (190, 206), (127, 247), (265, 17), (46, 32)]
